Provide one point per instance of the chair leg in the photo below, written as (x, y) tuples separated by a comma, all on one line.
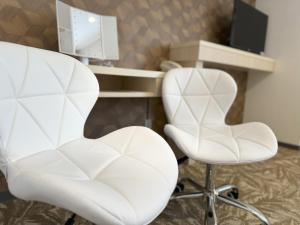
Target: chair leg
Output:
[(193, 183), (245, 206), (180, 193), (187, 195), (210, 217), (212, 194), (225, 188)]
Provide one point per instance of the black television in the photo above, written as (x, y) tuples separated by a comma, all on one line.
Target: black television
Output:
[(249, 28)]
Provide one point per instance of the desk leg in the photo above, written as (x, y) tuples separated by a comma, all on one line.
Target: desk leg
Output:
[(148, 121)]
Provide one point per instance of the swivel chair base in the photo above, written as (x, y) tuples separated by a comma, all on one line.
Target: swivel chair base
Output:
[(226, 193)]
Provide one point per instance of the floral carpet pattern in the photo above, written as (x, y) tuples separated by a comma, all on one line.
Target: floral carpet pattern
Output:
[(272, 186)]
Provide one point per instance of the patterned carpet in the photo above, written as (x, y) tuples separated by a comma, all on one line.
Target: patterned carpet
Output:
[(272, 186)]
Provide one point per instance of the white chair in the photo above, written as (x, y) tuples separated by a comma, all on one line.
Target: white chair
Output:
[(125, 177), (196, 102)]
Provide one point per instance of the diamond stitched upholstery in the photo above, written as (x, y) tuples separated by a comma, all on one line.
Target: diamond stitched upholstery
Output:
[(47, 94), (125, 177), (196, 103), (121, 178)]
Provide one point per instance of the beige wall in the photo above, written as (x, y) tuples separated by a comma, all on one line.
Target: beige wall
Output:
[(275, 98)]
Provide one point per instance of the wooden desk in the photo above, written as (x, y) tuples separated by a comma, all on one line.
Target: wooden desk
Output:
[(198, 53), (128, 83)]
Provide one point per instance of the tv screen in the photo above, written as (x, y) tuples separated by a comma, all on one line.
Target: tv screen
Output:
[(249, 27)]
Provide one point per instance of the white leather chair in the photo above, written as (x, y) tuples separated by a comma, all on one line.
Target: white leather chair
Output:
[(196, 102), (125, 177)]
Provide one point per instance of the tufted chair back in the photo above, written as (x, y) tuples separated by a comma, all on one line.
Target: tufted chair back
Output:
[(197, 97), (45, 98)]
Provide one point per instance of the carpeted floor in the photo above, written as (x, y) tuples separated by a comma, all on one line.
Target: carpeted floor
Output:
[(272, 186)]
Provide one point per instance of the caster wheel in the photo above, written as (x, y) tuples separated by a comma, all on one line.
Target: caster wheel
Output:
[(234, 193), (210, 220), (71, 220), (179, 188)]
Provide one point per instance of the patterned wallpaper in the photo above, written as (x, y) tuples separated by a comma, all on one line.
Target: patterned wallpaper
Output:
[(146, 28)]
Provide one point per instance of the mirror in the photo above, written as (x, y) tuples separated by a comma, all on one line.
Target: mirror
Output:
[(86, 34)]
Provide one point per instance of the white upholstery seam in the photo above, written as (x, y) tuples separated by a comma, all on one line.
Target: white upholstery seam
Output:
[(176, 110), (228, 149), (73, 163), (221, 134), (55, 75), (184, 100), (255, 142), (25, 73), (11, 129), (124, 149), (62, 88), (108, 145), (201, 76), (61, 123), (200, 123), (212, 94), (218, 132), (104, 209), (205, 112), (38, 177), (237, 144), (149, 165), (104, 167), (179, 88), (71, 77), (10, 80), (39, 95), (28, 156), (120, 193), (76, 107), (243, 131), (217, 81), (37, 123), (188, 82)]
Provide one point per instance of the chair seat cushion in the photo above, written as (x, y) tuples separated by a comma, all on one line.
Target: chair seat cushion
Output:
[(224, 144), (125, 177)]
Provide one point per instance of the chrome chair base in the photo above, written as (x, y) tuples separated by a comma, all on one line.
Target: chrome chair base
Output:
[(226, 193)]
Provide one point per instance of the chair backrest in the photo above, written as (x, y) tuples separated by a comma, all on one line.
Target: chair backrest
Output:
[(45, 98), (196, 97)]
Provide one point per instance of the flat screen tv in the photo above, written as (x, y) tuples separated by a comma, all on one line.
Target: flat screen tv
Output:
[(248, 29)]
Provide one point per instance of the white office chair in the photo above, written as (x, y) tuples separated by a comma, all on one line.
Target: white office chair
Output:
[(125, 177), (196, 102)]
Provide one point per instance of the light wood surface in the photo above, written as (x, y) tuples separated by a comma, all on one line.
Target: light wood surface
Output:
[(117, 71), (126, 94), (198, 52), (128, 83)]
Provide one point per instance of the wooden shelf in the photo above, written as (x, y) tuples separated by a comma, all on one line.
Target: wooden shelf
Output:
[(115, 71), (126, 94), (128, 83), (197, 53)]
